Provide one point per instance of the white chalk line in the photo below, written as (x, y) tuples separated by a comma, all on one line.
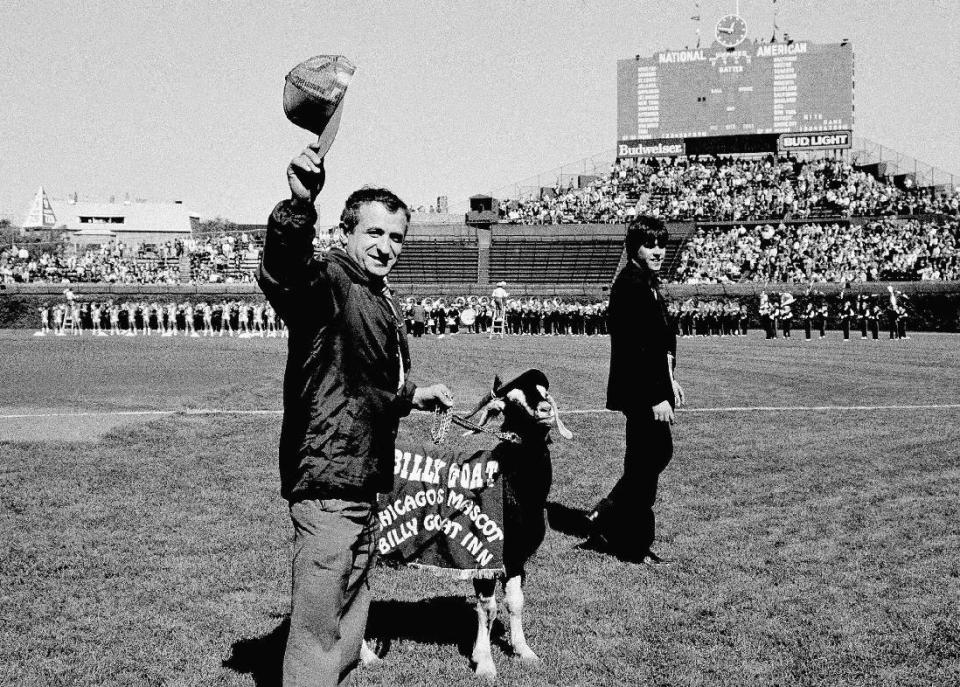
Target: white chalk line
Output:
[(776, 409), (585, 411)]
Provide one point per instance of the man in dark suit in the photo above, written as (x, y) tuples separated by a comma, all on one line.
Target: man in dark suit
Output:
[(641, 385)]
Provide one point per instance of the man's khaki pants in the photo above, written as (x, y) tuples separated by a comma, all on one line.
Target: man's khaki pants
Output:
[(333, 554)]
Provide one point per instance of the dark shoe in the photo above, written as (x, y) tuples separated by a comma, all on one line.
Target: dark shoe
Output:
[(598, 542)]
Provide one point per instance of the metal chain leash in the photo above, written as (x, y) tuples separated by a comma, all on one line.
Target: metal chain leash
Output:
[(443, 418)]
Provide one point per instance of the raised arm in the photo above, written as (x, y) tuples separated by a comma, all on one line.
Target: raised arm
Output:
[(287, 264)]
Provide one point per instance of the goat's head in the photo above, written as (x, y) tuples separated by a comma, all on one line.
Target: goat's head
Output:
[(526, 405)]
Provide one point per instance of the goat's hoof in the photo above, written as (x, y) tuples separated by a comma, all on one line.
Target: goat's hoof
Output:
[(525, 654), (529, 658), (368, 657), (486, 671)]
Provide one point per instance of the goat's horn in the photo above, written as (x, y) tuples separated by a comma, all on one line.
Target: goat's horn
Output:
[(487, 397), (564, 432)]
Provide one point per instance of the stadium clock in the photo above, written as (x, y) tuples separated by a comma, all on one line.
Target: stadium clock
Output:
[(731, 30)]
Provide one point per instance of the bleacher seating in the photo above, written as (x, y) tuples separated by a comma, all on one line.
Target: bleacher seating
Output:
[(551, 255), (437, 259)]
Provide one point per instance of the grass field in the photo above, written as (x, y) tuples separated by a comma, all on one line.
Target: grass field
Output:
[(813, 546)]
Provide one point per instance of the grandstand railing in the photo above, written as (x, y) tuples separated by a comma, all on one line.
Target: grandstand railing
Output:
[(865, 152), (565, 176)]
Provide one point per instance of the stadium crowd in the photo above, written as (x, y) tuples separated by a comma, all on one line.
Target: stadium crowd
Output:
[(891, 249), (728, 189), (884, 250), (897, 246), (212, 259)]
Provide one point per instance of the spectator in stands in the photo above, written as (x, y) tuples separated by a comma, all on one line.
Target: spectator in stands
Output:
[(728, 189)]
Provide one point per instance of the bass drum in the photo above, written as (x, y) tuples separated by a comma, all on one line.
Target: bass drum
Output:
[(468, 316)]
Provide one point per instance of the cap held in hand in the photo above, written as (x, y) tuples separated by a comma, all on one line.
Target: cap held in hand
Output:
[(313, 96)]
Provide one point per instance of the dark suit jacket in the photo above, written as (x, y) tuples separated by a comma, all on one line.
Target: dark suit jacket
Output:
[(640, 338)]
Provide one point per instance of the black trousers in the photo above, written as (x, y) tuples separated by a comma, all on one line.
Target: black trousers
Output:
[(626, 515)]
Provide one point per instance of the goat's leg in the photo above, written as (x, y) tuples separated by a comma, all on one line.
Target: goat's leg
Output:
[(513, 599), (486, 614)]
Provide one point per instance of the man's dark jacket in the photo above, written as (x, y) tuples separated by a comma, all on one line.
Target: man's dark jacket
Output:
[(640, 338), (342, 397)]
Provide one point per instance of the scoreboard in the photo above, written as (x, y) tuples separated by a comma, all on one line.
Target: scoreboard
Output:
[(755, 88)]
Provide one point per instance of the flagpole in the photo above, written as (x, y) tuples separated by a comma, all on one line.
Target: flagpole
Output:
[(773, 39), (696, 18)]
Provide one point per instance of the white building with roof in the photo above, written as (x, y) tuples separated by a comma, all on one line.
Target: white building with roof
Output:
[(132, 222)]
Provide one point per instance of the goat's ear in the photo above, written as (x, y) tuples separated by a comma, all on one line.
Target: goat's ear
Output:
[(496, 383), (562, 428)]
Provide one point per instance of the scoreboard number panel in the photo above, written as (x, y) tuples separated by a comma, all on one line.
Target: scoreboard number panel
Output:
[(753, 88)]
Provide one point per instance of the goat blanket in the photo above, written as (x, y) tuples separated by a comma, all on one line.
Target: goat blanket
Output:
[(445, 512)]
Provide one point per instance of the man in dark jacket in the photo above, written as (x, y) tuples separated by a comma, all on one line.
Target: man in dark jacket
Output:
[(345, 389), (643, 350)]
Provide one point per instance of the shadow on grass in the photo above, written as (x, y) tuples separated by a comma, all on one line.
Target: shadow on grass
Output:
[(572, 521), (261, 657), (440, 620)]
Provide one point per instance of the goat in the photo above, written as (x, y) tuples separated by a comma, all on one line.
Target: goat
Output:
[(529, 413)]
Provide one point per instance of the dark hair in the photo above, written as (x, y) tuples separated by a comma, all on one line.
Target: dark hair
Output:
[(644, 230), (369, 194)]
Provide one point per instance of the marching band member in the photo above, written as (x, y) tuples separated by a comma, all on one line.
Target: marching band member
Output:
[(419, 315), (257, 320), (766, 315), (895, 315), (243, 320), (96, 313), (873, 318), (114, 314), (901, 316), (44, 319), (189, 317), (440, 317), (453, 319), (847, 314), (75, 327), (207, 309), (172, 313), (271, 316), (863, 312), (808, 314), (468, 316), (225, 319), (59, 315), (786, 313), (131, 318)]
